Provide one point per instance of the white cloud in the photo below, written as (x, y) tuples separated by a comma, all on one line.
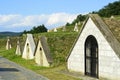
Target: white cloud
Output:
[(49, 20), (7, 20), (60, 18)]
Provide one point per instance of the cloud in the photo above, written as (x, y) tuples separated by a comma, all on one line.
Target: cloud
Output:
[(60, 18), (49, 20), (8, 20)]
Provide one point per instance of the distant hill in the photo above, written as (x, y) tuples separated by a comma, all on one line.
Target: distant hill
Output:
[(11, 34)]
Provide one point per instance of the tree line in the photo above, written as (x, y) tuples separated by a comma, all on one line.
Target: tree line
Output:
[(36, 29), (79, 18), (109, 10), (106, 11)]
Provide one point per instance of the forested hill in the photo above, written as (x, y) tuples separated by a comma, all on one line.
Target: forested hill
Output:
[(110, 9)]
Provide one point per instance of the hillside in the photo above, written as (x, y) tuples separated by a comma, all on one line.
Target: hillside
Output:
[(5, 34), (67, 28), (60, 44)]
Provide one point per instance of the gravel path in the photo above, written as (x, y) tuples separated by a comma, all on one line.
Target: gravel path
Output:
[(11, 71)]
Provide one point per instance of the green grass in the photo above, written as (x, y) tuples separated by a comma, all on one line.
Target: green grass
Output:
[(52, 73), (69, 28), (59, 43), (117, 17)]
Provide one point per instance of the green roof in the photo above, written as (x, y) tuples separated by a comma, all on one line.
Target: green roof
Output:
[(114, 26)]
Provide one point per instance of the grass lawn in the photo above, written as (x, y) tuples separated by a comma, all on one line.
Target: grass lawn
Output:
[(59, 43), (52, 73)]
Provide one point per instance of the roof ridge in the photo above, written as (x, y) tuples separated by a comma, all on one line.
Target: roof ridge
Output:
[(105, 30)]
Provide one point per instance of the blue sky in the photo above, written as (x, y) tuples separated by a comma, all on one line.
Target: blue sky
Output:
[(18, 15)]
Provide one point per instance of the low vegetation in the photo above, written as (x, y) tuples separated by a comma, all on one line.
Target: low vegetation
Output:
[(60, 44)]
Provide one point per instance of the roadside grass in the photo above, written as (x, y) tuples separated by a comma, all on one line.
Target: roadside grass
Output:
[(52, 73), (117, 17), (59, 43)]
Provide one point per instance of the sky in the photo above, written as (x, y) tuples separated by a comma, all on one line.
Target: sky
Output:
[(20, 15)]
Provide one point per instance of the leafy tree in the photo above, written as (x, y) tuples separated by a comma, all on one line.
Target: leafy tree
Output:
[(36, 29), (67, 24), (79, 18), (110, 9), (24, 31)]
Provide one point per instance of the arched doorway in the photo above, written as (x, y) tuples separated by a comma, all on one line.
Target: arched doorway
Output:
[(41, 57), (91, 56), (27, 51)]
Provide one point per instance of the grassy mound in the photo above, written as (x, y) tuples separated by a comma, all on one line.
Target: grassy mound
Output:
[(60, 44)]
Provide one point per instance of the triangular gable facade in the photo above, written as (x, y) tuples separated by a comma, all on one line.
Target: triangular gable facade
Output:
[(29, 48), (55, 29), (96, 52), (8, 44), (42, 53), (76, 27), (18, 49)]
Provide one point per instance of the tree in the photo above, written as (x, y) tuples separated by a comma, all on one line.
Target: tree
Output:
[(79, 18), (36, 29), (24, 32), (42, 28), (67, 24), (110, 9)]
